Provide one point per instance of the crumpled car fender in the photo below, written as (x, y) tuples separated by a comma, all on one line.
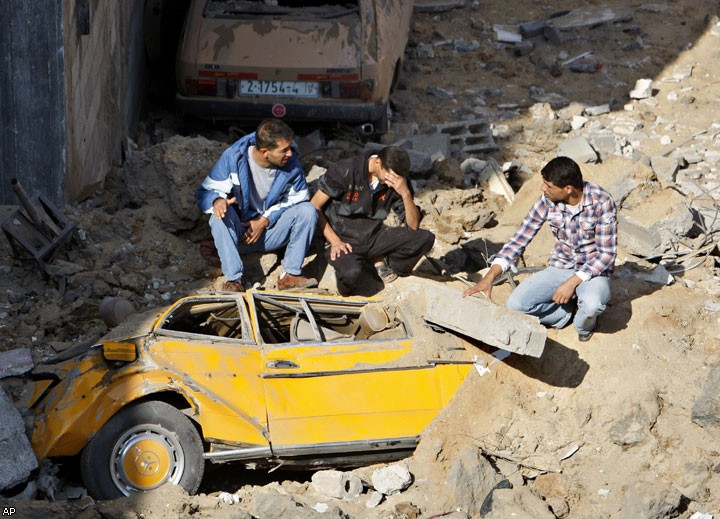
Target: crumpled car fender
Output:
[(64, 428)]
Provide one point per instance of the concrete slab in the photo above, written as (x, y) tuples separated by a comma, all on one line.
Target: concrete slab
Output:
[(485, 321), (18, 458), (15, 362)]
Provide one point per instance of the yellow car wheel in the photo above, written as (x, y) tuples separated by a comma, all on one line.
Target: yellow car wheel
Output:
[(142, 447)]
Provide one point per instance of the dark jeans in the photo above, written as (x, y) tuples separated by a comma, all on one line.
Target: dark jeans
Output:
[(402, 246)]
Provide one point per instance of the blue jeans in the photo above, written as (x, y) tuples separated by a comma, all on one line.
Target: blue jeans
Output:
[(534, 297), (295, 228)]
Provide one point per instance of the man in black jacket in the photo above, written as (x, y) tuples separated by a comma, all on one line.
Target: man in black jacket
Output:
[(362, 191)]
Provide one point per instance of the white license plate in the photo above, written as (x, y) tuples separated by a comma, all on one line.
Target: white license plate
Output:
[(280, 88)]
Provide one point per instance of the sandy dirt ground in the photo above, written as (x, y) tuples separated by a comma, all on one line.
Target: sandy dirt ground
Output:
[(596, 429)]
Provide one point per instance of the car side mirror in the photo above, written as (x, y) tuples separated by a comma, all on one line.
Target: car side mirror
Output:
[(122, 351)]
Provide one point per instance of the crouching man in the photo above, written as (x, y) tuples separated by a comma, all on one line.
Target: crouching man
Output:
[(576, 283), (353, 199), (258, 201)]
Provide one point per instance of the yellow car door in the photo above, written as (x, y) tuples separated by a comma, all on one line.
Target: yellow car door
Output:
[(336, 388), (208, 343)]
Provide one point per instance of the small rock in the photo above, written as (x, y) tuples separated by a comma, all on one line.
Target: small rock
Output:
[(642, 90), (374, 499), (392, 479)]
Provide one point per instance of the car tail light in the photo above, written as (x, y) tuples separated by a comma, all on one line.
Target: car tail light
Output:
[(341, 85), (201, 87), (356, 90)]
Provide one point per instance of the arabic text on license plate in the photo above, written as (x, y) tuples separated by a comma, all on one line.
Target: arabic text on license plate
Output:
[(280, 88)]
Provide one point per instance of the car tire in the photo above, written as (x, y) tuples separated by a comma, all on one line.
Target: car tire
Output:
[(142, 447)]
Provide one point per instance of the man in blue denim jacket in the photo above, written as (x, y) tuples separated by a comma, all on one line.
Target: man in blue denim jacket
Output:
[(583, 218), (258, 201)]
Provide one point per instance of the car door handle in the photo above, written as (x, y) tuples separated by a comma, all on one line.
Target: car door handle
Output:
[(281, 364)]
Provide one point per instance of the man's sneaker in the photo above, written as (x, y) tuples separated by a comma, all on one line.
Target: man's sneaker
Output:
[(290, 282), (232, 286), (584, 337)]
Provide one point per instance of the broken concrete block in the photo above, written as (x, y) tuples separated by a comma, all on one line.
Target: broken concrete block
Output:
[(578, 122), (334, 483), (648, 233), (638, 239), (507, 33), (15, 362), (659, 276), (578, 149), (473, 166), (665, 169), (532, 29), (642, 90), (605, 144), (597, 110), (18, 458), (469, 137), (391, 480), (573, 24), (485, 321), (472, 170), (374, 499)]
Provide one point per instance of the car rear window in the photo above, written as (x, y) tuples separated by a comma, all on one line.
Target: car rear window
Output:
[(323, 9)]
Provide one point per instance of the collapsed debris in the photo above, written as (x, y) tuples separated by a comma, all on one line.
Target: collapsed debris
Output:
[(40, 236)]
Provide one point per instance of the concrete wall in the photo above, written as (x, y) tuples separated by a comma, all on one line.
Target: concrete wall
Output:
[(72, 75), (105, 71), (32, 118)]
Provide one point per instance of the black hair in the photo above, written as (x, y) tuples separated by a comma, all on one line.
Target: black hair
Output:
[(270, 131), (563, 171), (396, 159)]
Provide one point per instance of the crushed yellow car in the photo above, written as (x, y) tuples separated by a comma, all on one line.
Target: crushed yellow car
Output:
[(260, 377)]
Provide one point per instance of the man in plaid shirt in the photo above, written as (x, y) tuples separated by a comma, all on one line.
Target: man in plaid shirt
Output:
[(583, 218)]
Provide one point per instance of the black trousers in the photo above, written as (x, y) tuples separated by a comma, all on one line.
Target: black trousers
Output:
[(402, 246)]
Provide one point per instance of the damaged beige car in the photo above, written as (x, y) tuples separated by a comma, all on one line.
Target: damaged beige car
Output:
[(260, 378), (324, 61)]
